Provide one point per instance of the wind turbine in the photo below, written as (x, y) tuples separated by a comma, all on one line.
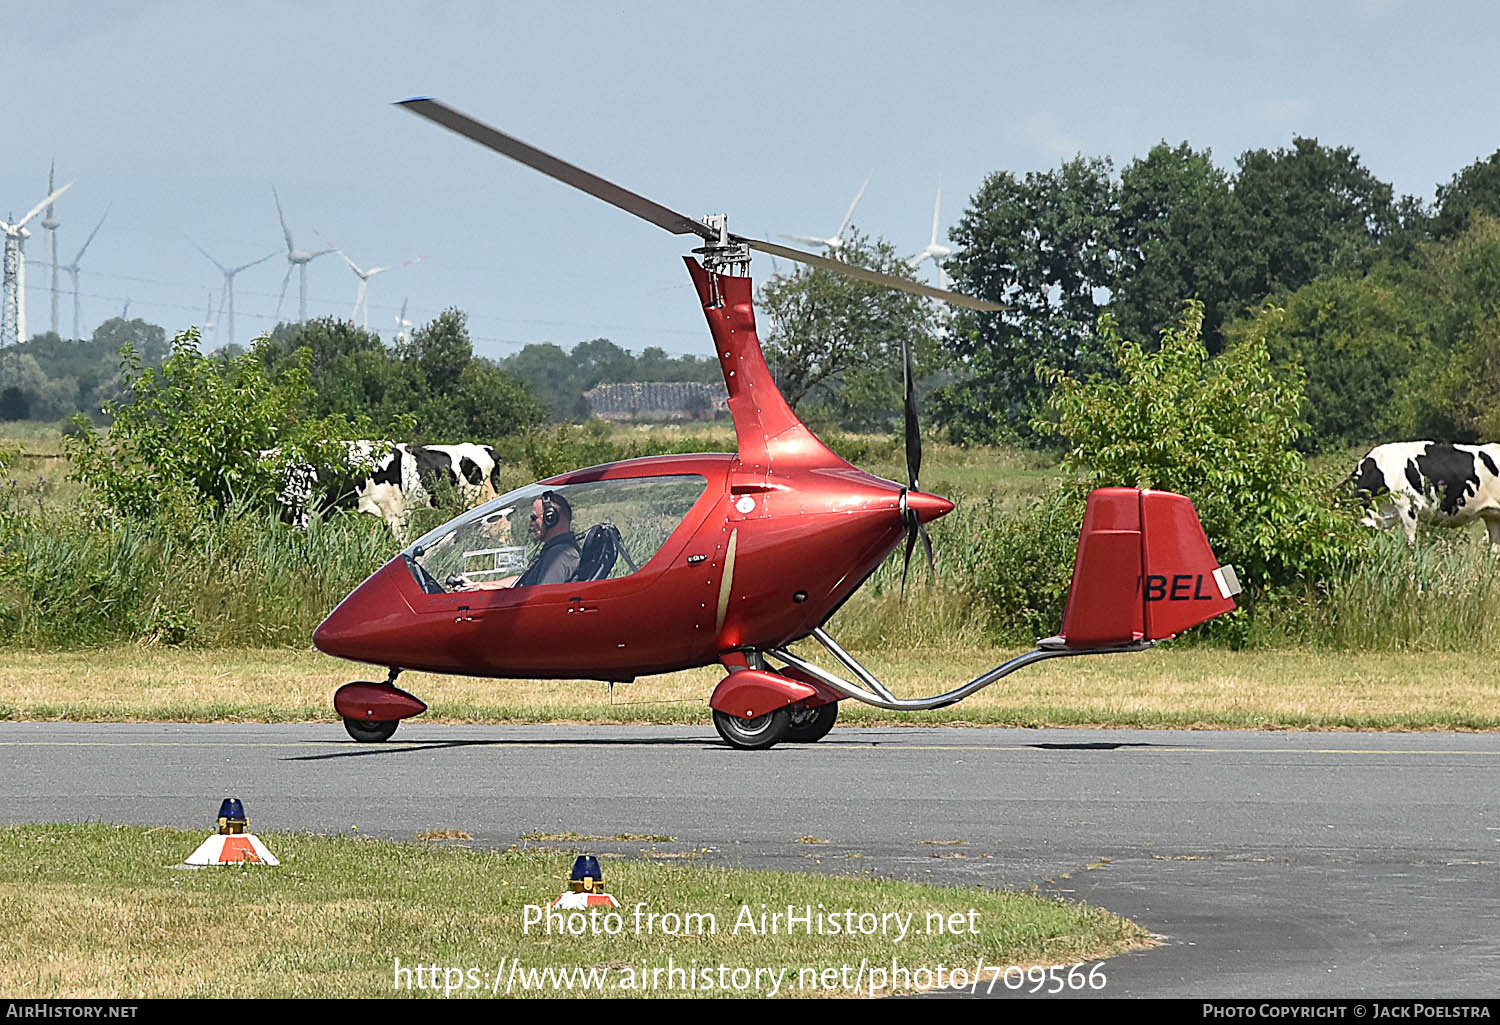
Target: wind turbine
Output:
[(51, 224), (208, 316), (403, 326), (361, 297), (935, 251), (836, 243), (72, 269), (13, 314), (229, 273), (295, 258)]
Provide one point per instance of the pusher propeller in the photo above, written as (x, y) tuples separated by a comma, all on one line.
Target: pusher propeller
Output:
[(662, 217)]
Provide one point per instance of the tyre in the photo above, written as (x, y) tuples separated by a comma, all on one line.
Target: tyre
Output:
[(755, 734), (810, 724), (368, 732)]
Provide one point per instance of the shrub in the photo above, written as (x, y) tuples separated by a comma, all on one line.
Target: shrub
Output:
[(190, 434), (1222, 431)]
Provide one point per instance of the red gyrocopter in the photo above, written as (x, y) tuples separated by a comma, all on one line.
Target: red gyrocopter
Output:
[(693, 560)]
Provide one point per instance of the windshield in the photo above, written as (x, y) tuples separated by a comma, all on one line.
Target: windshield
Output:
[(538, 534)]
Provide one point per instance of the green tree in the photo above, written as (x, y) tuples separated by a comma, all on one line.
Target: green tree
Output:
[(1475, 189), (440, 349), (1045, 247), (1456, 393), (148, 340), (835, 343), (1357, 339), (1180, 237), (1307, 210), (552, 375)]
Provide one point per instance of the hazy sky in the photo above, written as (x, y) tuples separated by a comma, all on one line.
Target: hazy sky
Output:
[(181, 116)]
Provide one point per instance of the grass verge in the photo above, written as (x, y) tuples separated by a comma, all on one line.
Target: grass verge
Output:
[(99, 911), (1177, 688)]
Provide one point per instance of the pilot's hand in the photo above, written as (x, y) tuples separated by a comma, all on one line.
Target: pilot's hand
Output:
[(459, 582)]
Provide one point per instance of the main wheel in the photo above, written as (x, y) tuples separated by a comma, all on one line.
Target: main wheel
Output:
[(368, 732), (810, 724), (755, 734)]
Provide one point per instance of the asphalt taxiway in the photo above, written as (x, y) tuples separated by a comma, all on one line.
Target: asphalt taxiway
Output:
[(1270, 864)]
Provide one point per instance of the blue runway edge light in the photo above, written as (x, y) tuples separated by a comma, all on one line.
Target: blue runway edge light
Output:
[(586, 867), (232, 810)]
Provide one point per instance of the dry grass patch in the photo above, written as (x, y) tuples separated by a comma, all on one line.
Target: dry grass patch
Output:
[(1187, 687)]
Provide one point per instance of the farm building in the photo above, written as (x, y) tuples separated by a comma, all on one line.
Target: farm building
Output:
[(657, 400)]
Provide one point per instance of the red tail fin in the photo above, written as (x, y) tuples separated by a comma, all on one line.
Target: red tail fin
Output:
[(1144, 571)]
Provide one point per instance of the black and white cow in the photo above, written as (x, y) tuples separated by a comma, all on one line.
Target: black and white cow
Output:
[(389, 480), (1407, 481)]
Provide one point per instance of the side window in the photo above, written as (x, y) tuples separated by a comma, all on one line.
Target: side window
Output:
[(634, 517), (615, 527)]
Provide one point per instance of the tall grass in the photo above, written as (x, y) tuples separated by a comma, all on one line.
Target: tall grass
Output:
[(1442, 594), (73, 579)]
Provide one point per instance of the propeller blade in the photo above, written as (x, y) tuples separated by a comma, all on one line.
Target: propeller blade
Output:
[(927, 544), (863, 274), (42, 205), (911, 542), (671, 220), (913, 427)]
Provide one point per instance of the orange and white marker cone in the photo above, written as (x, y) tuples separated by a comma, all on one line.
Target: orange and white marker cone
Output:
[(231, 845)]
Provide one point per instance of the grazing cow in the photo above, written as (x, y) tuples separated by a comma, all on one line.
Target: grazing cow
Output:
[(1407, 481), (386, 481)]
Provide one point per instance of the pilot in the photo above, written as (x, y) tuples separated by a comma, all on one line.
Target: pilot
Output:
[(552, 525), (555, 563)]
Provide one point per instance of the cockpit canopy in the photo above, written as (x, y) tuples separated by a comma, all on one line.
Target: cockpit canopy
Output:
[(624, 521)]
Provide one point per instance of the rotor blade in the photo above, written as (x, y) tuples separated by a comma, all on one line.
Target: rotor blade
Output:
[(222, 269), (863, 274), (935, 208), (284, 279), (282, 217), (91, 237), (850, 215), (807, 240), (676, 223), (44, 203), (252, 263)]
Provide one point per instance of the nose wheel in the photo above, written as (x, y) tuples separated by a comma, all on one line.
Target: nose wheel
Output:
[(372, 711), (367, 732)]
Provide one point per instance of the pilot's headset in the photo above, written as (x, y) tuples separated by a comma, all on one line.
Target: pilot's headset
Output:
[(553, 505)]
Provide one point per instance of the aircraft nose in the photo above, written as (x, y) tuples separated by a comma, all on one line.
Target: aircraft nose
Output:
[(928, 507), (365, 623)]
